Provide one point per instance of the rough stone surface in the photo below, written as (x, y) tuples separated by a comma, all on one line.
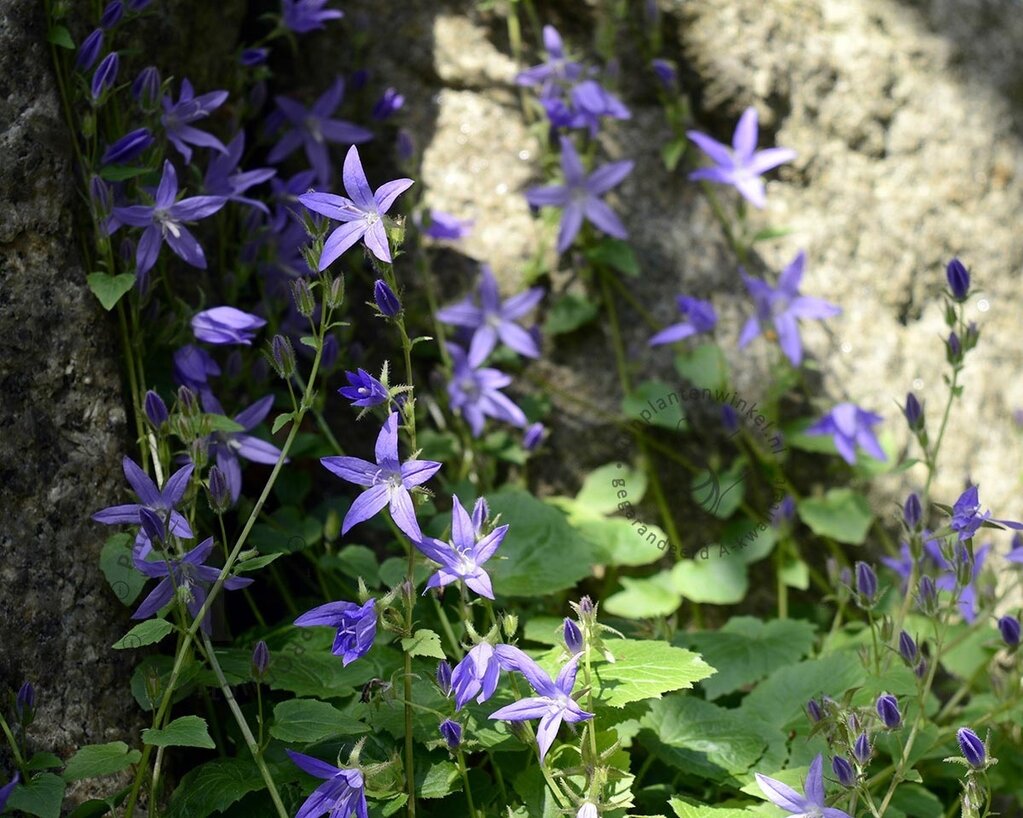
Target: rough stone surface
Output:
[(908, 139), (62, 421)]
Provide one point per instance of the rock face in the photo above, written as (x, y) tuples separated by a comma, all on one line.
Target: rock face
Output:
[(908, 135), (62, 421)]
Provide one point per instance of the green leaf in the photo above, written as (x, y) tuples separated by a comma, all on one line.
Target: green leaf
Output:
[(644, 598), (43, 761), (769, 233), (602, 488), (309, 341), (795, 573), (616, 254), (423, 642), (672, 153), (568, 314), (93, 808), (281, 421), (97, 760), (187, 731), (119, 173), (439, 779), (308, 720), (717, 580), (543, 553), (644, 669), (42, 796), (656, 403), (621, 541), (720, 491), (306, 667), (747, 649), (684, 810), (841, 514), (705, 367), (115, 560), (109, 289), (916, 801), (222, 423), (256, 563), (145, 633), (60, 36), (781, 698), (693, 733), (288, 530), (213, 787)]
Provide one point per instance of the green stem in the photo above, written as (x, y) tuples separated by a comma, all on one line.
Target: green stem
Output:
[(243, 725), (465, 783)]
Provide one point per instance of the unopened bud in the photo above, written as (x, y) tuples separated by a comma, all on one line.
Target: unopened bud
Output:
[(283, 354), (305, 302), (336, 293), (452, 733), (387, 301), (573, 636), (156, 409), (260, 660), (219, 491)]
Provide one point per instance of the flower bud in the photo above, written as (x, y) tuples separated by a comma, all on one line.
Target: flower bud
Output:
[(972, 336), (260, 659), (156, 409), (389, 103), (480, 514), (336, 293), (533, 436), (451, 731), (89, 50), (813, 710), (921, 669), (914, 413), (252, 57), (666, 74), (146, 88), (963, 563), (152, 524), (972, 747), (586, 605), (387, 301), (866, 584), (927, 596), (509, 624), (219, 491), (283, 354), (187, 399), (127, 147), (99, 195), (958, 279), (573, 636), (907, 648), (843, 771), (405, 146), (861, 749), (25, 703), (912, 512), (953, 349), (888, 709), (305, 302), (1009, 627), (106, 74), (729, 419), (112, 14), (444, 678)]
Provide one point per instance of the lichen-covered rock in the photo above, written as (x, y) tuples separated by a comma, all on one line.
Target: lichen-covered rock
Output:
[(62, 421)]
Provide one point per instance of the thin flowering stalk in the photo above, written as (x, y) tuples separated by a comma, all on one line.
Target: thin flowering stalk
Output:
[(190, 633)]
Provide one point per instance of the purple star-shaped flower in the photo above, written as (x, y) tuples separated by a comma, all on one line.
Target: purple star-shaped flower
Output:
[(193, 367), (494, 319), (850, 427), (579, 196), (312, 128), (590, 102), (444, 226), (164, 221), (1016, 553), (463, 557), (342, 794), (949, 579), (475, 393), (387, 481), (224, 179), (303, 16), (364, 390), (227, 447), (557, 68), (162, 503), (699, 317), (476, 675), (782, 307), (553, 703), (190, 573), (356, 627), (362, 215), (801, 806), (177, 119), (967, 517), (741, 165)]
